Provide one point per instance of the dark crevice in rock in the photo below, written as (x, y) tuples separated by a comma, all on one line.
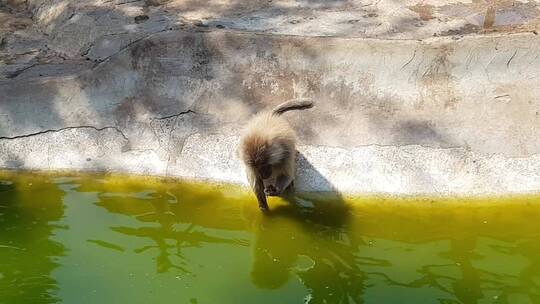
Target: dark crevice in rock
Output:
[(176, 115), (141, 18), (20, 71), (99, 62), (510, 60), (63, 129)]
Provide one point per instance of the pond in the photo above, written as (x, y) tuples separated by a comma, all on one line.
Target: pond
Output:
[(82, 238)]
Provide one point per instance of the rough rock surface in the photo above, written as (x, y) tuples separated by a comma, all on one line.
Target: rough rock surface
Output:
[(413, 97)]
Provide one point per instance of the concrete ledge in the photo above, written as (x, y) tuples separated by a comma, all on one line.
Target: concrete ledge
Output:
[(441, 116), (405, 170)]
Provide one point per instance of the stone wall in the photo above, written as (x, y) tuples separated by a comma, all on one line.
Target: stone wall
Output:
[(455, 114)]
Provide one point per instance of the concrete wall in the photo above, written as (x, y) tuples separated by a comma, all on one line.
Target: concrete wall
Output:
[(441, 116)]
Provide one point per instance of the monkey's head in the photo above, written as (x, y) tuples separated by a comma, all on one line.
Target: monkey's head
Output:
[(265, 171), (274, 179), (262, 158)]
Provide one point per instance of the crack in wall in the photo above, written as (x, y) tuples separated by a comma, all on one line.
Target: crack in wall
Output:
[(127, 46), (175, 115), (510, 60), (64, 129), (410, 60), (18, 72), (174, 118)]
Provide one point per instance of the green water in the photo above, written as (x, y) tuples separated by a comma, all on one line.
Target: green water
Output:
[(107, 239)]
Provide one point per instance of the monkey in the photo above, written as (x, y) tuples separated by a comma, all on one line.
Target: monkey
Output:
[(268, 150)]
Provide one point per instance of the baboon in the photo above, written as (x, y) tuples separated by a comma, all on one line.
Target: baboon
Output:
[(268, 150)]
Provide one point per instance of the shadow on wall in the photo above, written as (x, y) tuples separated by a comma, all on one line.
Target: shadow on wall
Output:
[(158, 90), (143, 91), (309, 177), (157, 84)]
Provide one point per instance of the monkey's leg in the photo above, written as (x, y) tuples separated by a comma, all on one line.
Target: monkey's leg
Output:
[(284, 182), (259, 192), (290, 188)]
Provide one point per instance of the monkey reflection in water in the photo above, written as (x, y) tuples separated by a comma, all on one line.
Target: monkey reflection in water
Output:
[(313, 243)]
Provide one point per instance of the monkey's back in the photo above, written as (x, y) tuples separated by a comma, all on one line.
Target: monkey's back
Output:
[(264, 131), (269, 126)]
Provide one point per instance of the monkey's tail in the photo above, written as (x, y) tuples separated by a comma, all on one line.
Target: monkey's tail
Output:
[(293, 104)]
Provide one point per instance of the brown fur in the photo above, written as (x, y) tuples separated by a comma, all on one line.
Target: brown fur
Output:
[(268, 150)]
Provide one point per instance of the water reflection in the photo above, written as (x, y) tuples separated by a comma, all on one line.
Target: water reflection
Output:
[(314, 244), (319, 248), (180, 218), (28, 211), (340, 255), (442, 255)]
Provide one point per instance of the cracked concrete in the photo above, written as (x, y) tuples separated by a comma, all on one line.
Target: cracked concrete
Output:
[(159, 88), (63, 129)]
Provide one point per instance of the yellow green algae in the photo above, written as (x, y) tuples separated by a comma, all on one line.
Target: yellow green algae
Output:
[(91, 238)]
